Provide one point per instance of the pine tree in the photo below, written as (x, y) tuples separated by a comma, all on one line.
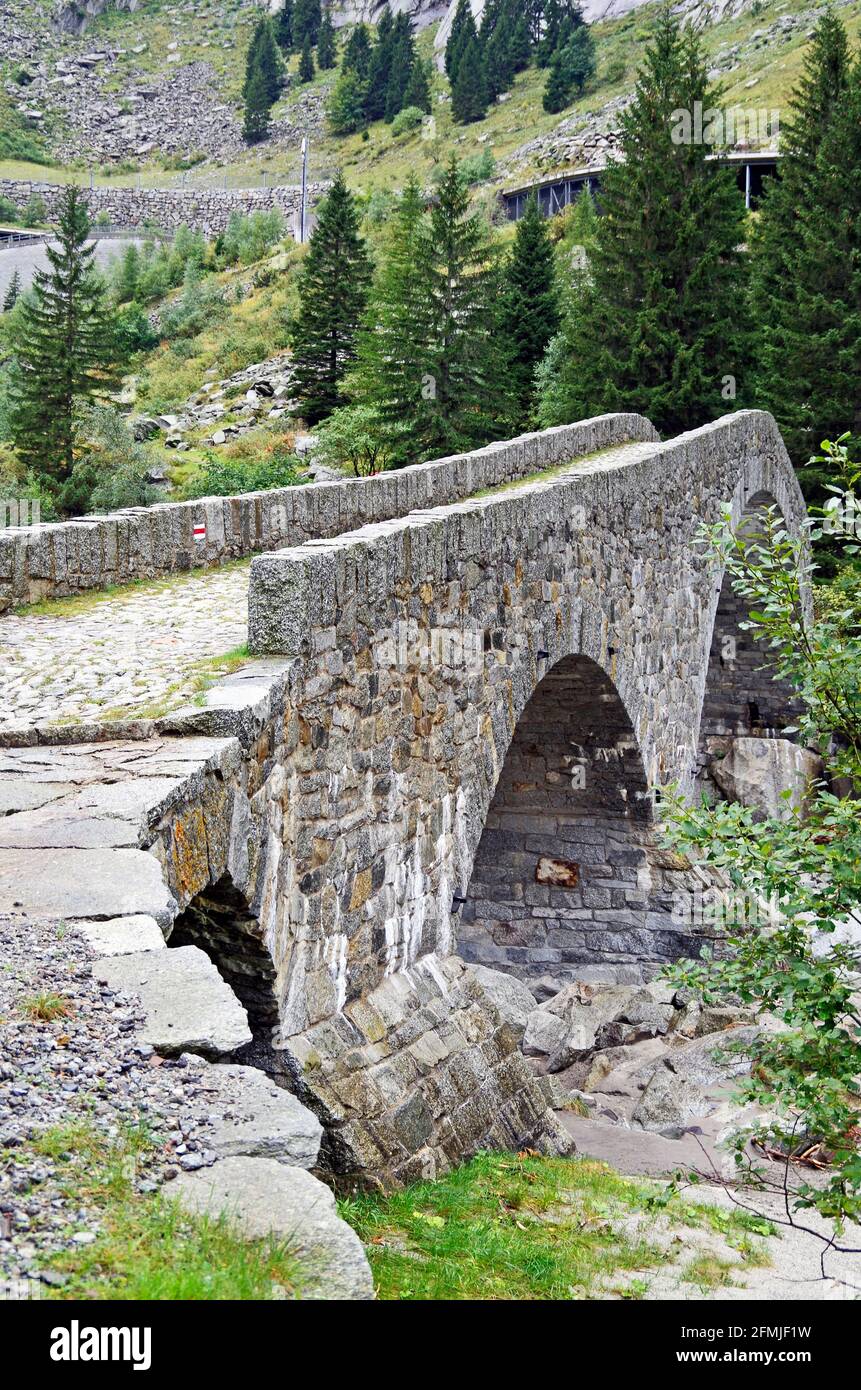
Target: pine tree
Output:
[(467, 370), (659, 324), (380, 66), (570, 69), (358, 52), (130, 267), (498, 60), (255, 126), (469, 89), (65, 347), (777, 240), (395, 353), (13, 291), (551, 26), (463, 31), (418, 93), (326, 46), (521, 45), (814, 351), (333, 292), (267, 58), (531, 305), (307, 18), (348, 102), (403, 62), (283, 27), (306, 61)]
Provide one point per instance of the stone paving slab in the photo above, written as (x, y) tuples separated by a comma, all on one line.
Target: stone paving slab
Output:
[(123, 653), (69, 883), (187, 1006), (123, 936), (264, 1197)]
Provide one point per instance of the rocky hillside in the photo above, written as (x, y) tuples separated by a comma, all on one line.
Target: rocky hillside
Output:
[(153, 86)]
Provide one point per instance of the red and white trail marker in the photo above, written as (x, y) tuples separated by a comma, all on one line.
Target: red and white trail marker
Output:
[(199, 531)]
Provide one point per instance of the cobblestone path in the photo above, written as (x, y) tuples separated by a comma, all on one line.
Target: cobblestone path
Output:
[(140, 651)]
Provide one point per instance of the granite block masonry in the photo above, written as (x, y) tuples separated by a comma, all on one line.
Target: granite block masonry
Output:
[(457, 753), (59, 559), (207, 210)]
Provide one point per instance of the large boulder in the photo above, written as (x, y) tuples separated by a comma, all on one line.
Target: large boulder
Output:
[(583, 1017), (513, 999), (758, 771), (677, 1087), (261, 1197)]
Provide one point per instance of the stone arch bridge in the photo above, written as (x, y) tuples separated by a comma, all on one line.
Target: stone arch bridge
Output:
[(447, 749)]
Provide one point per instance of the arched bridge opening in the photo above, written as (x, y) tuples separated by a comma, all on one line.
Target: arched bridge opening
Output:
[(569, 878), (218, 921), (743, 697)]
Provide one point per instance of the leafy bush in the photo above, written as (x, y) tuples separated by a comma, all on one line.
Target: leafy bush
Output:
[(805, 870), (111, 468), (221, 477), (410, 118), (8, 211), (247, 239), (352, 440), (201, 304), (134, 332), (478, 168)]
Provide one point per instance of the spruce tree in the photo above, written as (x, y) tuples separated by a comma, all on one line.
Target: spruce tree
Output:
[(570, 69), (814, 352), (358, 52), (469, 89), (380, 66), (498, 61), (306, 61), (333, 292), (395, 352), (521, 45), (65, 346), (326, 46), (462, 31), (659, 325), (348, 102), (307, 18), (418, 93), (776, 244), (402, 64), (13, 291), (530, 305), (255, 126), (263, 56), (468, 380), (283, 27)]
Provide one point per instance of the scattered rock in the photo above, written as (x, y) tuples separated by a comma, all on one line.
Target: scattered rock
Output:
[(511, 997), (264, 1197)]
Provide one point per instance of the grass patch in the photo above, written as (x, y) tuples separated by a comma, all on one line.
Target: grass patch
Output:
[(44, 1008), (504, 1227), (147, 1248)]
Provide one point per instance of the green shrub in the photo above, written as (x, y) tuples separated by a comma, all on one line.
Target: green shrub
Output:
[(219, 477), (410, 118), (8, 211)]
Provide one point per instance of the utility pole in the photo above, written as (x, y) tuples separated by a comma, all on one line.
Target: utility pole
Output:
[(303, 215)]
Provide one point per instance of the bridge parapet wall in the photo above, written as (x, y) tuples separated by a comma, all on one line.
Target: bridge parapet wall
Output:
[(56, 560)]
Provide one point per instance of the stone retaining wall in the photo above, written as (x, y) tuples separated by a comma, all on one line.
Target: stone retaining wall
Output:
[(204, 209), (52, 561)]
